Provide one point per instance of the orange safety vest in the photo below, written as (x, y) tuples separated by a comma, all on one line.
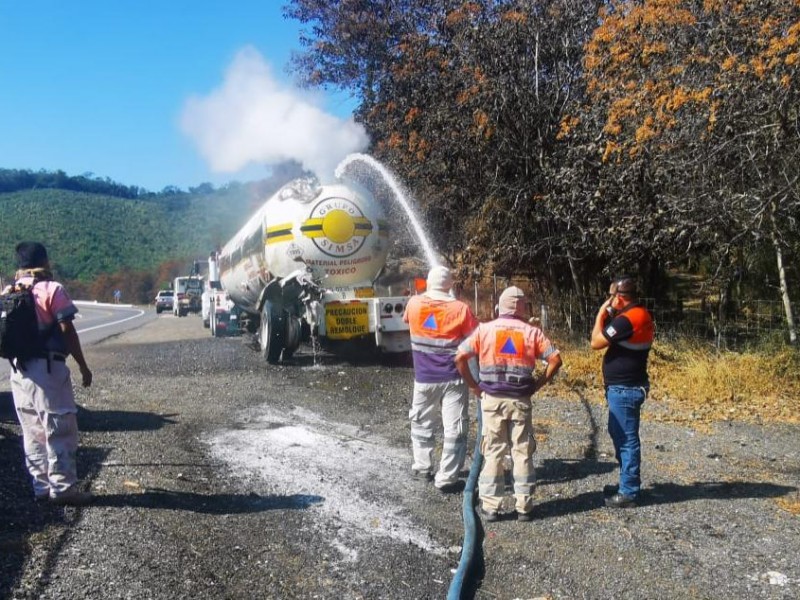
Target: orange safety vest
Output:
[(437, 327), (508, 349), (625, 360), (643, 329)]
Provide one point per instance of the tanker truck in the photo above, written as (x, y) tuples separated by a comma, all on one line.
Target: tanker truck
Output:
[(304, 266)]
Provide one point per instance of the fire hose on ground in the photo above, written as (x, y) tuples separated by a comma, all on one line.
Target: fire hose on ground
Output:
[(468, 548)]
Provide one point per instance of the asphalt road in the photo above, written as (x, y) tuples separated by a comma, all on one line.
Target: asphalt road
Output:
[(219, 476), (97, 321)]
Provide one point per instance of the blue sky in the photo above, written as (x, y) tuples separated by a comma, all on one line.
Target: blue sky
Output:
[(160, 93)]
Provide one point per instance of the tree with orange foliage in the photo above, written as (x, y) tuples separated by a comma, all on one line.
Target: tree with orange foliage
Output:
[(691, 119), (463, 99)]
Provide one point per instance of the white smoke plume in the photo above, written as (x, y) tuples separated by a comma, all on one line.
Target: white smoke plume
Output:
[(253, 119)]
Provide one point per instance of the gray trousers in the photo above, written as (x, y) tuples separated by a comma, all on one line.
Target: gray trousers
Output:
[(46, 410), (426, 420)]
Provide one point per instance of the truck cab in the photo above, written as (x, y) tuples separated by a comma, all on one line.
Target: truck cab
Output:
[(187, 295)]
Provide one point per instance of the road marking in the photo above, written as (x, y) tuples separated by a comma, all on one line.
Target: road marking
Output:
[(136, 316)]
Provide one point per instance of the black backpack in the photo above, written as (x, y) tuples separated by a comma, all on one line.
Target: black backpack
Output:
[(20, 339)]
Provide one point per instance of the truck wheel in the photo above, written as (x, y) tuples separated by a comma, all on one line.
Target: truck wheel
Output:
[(292, 336), (269, 339)]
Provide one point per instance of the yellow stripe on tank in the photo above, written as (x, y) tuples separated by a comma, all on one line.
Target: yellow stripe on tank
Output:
[(279, 233)]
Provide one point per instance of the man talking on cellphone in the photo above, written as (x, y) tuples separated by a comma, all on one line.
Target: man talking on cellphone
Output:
[(625, 329)]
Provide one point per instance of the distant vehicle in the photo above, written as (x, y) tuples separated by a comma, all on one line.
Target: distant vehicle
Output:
[(187, 295), (164, 300), (219, 312), (223, 315)]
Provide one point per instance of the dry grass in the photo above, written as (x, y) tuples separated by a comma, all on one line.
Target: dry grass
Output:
[(790, 503), (701, 386)]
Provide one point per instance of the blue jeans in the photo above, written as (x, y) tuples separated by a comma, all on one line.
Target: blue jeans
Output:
[(624, 406)]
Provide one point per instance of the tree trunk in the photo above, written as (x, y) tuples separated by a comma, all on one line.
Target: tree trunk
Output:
[(578, 291), (787, 302), (722, 312), (576, 280)]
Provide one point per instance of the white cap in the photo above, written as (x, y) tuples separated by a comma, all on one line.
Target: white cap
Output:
[(439, 283), (512, 302)]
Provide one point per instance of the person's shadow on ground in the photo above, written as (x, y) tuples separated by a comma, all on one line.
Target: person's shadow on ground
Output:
[(558, 470), (120, 420), (98, 420), (214, 504), (24, 518), (667, 493)]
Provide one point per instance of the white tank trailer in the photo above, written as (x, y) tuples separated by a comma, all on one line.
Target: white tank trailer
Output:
[(305, 265)]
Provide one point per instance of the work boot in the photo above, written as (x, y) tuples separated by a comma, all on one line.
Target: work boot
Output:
[(490, 516), (621, 501), (451, 488), (72, 497), (422, 475), (610, 490), (525, 516)]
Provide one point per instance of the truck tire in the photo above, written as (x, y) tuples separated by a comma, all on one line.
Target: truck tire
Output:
[(292, 336), (270, 333)]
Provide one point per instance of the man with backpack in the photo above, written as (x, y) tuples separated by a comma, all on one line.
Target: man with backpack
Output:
[(40, 380)]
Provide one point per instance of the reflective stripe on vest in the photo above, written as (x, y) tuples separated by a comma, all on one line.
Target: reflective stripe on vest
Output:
[(509, 374)]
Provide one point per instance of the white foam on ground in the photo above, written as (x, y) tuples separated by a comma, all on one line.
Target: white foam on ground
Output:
[(301, 453)]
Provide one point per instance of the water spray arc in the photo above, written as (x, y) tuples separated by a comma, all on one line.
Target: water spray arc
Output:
[(400, 196)]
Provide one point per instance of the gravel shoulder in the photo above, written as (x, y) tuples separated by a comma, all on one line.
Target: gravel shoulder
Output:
[(221, 477)]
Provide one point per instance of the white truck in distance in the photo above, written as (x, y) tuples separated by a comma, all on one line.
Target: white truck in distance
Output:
[(218, 311), (186, 299), (305, 266)]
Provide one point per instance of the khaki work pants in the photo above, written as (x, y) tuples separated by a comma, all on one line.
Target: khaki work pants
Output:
[(507, 428)]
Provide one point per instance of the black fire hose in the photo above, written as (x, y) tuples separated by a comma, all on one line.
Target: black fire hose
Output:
[(467, 562)]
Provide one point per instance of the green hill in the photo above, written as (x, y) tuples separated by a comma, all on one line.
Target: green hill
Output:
[(91, 234)]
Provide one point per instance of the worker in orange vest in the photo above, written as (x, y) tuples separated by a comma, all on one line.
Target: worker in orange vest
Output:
[(625, 328), (438, 323), (508, 350)]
